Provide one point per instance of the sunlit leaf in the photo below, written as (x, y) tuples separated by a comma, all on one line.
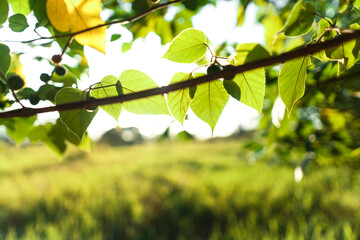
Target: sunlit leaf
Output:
[(18, 22), (20, 6), (179, 101), (300, 19), (73, 16), (292, 81), (5, 60), (102, 91), (252, 87), (209, 102), (68, 79), (135, 81), (4, 11), (250, 52), (188, 47), (76, 120)]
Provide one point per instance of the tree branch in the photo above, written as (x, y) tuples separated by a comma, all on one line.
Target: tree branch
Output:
[(121, 22), (309, 49)]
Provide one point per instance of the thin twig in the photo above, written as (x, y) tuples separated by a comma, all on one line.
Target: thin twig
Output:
[(307, 50)]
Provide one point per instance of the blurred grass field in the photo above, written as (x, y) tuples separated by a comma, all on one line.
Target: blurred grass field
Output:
[(194, 190)]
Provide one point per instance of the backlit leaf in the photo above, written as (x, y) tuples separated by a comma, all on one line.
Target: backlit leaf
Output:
[(20, 6), (102, 91), (18, 128), (5, 60), (4, 11), (188, 47), (135, 81), (18, 22), (72, 16), (179, 101), (76, 120), (209, 102), (252, 87), (292, 81), (300, 19)]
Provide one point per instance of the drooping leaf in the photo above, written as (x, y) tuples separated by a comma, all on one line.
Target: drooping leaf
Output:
[(292, 81), (300, 19), (18, 128), (18, 22), (209, 102), (5, 60), (179, 101), (76, 120), (73, 16), (20, 6), (102, 91), (4, 11), (188, 47), (252, 87), (135, 81)]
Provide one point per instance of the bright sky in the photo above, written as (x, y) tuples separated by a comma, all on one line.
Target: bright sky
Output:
[(218, 23)]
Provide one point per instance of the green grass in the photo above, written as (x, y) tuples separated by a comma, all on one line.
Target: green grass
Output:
[(171, 191)]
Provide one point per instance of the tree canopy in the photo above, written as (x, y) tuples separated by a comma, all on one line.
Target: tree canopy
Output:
[(303, 81)]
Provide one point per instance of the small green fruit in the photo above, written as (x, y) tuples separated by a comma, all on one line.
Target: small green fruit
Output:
[(213, 69), (119, 88), (232, 73), (91, 107), (233, 89), (59, 70), (34, 99), (45, 77), (15, 82)]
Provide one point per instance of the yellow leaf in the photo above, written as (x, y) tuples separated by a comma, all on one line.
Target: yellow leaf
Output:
[(76, 15)]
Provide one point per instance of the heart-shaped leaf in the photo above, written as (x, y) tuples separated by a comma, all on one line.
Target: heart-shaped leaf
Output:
[(76, 120)]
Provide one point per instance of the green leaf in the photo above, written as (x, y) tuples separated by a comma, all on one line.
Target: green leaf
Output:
[(346, 53), (5, 60), (126, 47), (179, 101), (188, 47), (292, 81), (49, 137), (18, 22), (250, 52), (4, 11), (39, 8), (76, 120), (115, 37), (68, 79), (252, 87), (209, 102), (20, 6), (101, 91), (232, 88), (135, 81), (300, 19), (18, 128)]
